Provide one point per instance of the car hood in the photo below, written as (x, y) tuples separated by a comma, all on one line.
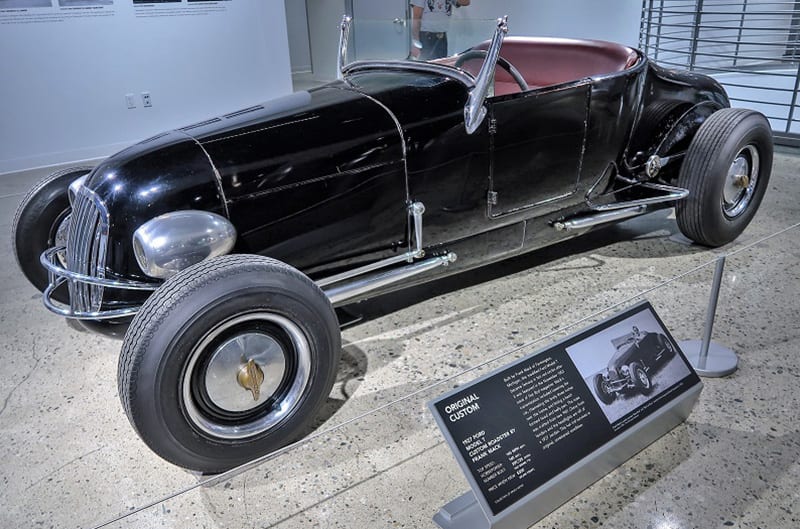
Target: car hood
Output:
[(304, 174), (164, 173), (297, 139)]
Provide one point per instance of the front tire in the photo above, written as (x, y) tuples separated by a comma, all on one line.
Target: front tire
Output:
[(228, 360), (40, 223), (726, 171), (601, 390), (640, 378)]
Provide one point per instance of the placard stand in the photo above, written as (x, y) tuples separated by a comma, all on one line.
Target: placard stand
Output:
[(465, 512), (711, 359), (533, 434)]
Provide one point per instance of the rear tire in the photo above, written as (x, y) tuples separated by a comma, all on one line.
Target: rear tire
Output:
[(36, 225), (726, 171), (227, 361)]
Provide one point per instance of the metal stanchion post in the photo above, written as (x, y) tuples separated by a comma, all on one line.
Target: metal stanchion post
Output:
[(708, 358)]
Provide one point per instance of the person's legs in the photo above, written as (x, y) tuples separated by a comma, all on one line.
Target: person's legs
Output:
[(434, 45)]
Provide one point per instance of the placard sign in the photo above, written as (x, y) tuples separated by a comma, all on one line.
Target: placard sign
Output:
[(519, 427)]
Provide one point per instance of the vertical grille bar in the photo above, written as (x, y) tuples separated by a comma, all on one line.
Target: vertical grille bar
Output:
[(86, 247)]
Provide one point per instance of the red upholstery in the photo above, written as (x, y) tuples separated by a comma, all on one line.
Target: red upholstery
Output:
[(550, 61)]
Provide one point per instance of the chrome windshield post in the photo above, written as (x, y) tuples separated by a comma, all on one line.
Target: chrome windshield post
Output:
[(344, 35), (475, 111)]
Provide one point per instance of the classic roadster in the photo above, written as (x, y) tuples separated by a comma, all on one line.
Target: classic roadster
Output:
[(637, 355), (221, 249)]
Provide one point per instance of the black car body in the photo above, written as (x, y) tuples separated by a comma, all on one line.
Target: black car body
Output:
[(510, 146), (638, 354)]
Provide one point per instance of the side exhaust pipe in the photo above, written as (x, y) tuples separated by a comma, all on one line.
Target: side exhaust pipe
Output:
[(342, 292), (578, 223)]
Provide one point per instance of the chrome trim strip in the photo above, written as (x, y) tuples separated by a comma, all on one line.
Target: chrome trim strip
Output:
[(412, 66), (217, 177)]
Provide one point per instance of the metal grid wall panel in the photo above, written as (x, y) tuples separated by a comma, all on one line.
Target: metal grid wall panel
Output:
[(750, 46)]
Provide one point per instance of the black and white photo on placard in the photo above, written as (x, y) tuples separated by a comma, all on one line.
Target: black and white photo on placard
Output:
[(628, 364)]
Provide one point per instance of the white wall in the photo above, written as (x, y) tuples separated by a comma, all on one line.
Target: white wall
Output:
[(324, 22), (616, 21), (297, 27), (62, 84)]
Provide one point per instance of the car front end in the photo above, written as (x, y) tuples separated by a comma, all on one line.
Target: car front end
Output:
[(158, 201)]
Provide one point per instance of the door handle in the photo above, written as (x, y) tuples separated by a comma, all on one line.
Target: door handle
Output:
[(400, 21)]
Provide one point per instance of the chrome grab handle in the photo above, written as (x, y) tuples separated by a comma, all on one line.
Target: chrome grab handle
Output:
[(344, 35)]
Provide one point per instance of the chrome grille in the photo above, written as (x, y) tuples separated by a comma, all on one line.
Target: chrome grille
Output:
[(86, 249)]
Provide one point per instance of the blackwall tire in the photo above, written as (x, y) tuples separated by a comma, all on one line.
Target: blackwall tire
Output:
[(641, 380), (36, 224), (605, 396), (186, 363), (726, 171)]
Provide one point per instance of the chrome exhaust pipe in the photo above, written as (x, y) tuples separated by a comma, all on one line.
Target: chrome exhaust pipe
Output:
[(342, 292), (579, 223)]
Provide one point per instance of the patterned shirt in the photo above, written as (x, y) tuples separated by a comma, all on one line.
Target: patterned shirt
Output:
[(435, 14)]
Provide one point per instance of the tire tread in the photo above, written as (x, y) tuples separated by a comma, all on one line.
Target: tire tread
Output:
[(701, 156), (157, 307)]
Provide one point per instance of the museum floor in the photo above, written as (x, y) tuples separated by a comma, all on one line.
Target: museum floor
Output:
[(69, 457)]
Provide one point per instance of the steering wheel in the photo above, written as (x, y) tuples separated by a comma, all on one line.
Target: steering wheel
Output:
[(504, 64)]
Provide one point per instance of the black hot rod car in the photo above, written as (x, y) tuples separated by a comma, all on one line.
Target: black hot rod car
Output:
[(221, 248), (637, 355)]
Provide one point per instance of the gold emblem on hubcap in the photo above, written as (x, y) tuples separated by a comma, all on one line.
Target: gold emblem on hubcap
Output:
[(741, 180), (251, 377)]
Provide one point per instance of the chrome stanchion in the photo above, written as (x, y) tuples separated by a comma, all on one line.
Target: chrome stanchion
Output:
[(708, 358)]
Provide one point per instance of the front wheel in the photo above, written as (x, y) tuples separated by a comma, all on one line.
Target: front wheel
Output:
[(640, 378), (228, 360), (41, 222), (602, 391), (726, 171)]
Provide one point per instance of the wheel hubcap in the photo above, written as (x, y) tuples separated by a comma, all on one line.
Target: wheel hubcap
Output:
[(245, 371), (740, 182), (250, 377), (246, 375)]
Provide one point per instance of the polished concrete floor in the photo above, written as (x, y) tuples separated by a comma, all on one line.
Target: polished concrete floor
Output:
[(69, 458)]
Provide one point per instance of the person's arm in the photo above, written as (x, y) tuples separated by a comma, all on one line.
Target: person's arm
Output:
[(463, 3), (416, 22)]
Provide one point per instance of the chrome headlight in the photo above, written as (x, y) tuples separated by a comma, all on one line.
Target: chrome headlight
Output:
[(169, 243)]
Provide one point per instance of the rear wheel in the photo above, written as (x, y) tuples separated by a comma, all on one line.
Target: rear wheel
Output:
[(229, 360), (726, 171), (41, 222)]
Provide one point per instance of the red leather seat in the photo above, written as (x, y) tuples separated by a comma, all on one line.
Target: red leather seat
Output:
[(544, 61)]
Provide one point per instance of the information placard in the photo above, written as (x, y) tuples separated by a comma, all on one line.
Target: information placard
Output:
[(518, 428)]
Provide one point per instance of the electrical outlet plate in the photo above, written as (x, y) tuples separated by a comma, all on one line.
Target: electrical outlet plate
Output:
[(146, 101)]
